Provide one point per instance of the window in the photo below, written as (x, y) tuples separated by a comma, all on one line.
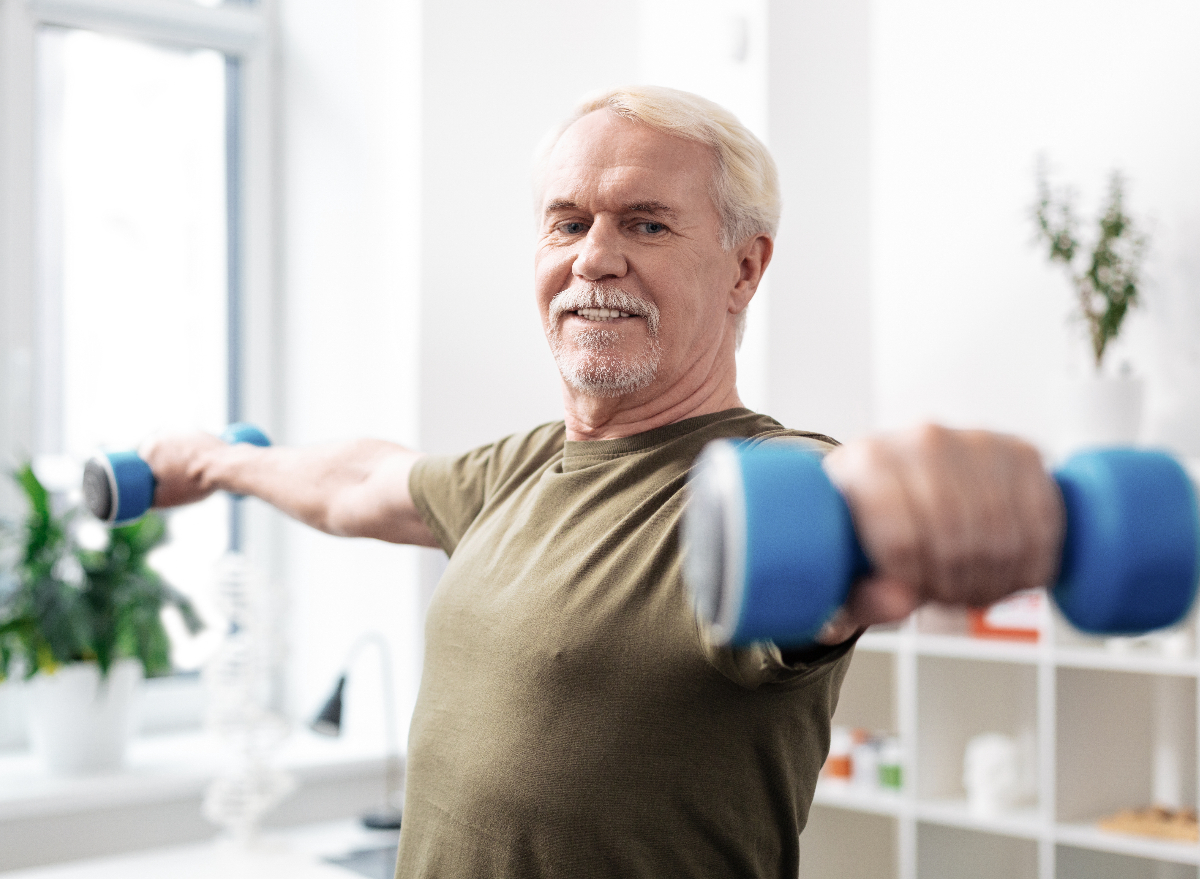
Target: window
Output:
[(134, 324), (135, 152)]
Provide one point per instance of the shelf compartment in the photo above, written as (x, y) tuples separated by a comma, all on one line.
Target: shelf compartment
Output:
[(844, 795), (1089, 836), (1123, 740), (958, 700), (868, 696), (848, 845), (968, 647), (878, 641), (953, 851), (1177, 642), (1022, 823), (1139, 663)]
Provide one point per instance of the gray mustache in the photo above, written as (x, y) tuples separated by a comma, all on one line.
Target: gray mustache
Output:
[(603, 296)]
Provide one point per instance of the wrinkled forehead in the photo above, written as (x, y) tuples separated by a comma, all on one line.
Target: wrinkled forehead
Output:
[(603, 144)]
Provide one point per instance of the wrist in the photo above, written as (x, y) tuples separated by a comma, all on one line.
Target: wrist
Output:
[(222, 467)]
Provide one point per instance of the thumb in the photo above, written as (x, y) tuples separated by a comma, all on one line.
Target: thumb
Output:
[(879, 599)]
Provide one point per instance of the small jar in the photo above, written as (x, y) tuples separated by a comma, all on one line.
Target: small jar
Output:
[(891, 758), (838, 765)]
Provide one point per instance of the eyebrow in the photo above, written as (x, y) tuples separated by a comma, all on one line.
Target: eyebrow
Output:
[(654, 208)]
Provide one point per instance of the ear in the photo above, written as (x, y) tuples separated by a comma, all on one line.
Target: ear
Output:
[(753, 257)]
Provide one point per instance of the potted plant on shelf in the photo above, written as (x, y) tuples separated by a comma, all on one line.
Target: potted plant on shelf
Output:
[(85, 625), (1105, 407)]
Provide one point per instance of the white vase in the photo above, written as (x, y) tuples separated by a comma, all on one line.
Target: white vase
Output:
[(1100, 411), (79, 723), (1175, 422)]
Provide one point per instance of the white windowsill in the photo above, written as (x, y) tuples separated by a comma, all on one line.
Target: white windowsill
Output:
[(168, 767)]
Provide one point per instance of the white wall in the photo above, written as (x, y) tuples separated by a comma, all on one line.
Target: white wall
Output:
[(969, 322), (905, 284), (820, 348), (350, 79), (17, 321), (796, 73), (495, 78)]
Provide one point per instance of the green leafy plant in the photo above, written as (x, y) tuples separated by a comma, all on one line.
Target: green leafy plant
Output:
[(63, 603), (1106, 283)]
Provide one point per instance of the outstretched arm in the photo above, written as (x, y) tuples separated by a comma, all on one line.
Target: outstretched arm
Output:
[(351, 489)]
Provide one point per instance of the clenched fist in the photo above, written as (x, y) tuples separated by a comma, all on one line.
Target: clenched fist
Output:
[(182, 466), (948, 516)]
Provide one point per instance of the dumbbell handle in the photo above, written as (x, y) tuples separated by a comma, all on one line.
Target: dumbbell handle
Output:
[(771, 551), (118, 487)]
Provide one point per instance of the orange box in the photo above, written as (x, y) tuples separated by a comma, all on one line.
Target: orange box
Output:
[(1016, 618)]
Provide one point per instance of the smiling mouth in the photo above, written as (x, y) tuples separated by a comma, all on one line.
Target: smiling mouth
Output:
[(600, 314), (596, 304)]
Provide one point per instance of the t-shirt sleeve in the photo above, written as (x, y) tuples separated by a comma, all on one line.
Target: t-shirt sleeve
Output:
[(451, 490), (764, 664), (449, 493)]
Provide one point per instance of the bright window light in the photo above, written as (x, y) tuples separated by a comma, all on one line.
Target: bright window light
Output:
[(135, 325)]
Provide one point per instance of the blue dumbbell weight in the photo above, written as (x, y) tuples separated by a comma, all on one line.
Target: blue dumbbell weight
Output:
[(118, 487), (771, 552)]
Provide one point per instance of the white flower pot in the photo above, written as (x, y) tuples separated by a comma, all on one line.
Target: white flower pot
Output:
[(1100, 411), (79, 723), (1175, 422)]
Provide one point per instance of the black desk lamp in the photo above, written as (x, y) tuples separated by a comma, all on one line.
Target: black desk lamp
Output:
[(329, 723)]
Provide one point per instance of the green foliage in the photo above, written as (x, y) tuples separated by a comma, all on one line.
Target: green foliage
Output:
[(1106, 286), (63, 603)]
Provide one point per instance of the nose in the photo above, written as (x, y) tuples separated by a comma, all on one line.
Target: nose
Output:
[(601, 254)]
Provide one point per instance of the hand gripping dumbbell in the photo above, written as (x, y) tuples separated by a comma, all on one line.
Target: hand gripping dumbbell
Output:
[(118, 487), (771, 552)]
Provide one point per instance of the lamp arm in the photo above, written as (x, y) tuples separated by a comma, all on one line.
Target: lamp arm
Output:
[(391, 730)]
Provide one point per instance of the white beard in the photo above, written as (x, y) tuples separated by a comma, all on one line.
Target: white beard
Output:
[(592, 363)]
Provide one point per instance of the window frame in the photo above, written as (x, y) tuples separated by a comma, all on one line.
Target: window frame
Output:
[(246, 34)]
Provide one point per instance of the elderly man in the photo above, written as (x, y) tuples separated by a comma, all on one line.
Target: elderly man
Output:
[(574, 720)]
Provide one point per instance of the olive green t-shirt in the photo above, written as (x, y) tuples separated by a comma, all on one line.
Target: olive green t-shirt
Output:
[(573, 721)]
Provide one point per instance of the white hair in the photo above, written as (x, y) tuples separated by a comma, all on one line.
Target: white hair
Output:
[(745, 185)]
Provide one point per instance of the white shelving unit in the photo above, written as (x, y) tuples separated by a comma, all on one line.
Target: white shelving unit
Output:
[(1105, 729)]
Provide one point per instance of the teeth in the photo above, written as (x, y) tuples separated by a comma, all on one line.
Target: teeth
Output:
[(601, 313)]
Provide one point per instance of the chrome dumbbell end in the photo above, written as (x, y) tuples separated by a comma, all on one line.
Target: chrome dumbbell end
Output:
[(118, 487)]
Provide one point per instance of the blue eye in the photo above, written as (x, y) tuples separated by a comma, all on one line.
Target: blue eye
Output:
[(652, 228), (573, 228)]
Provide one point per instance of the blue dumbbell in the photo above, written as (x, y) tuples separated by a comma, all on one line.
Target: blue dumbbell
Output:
[(118, 487), (771, 552)]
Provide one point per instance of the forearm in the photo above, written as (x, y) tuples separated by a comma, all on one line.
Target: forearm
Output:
[(352, 489)]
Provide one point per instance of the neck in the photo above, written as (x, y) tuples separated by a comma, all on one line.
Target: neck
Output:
[(600, 418)]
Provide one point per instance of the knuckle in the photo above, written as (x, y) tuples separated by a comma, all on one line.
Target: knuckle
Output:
[(953, 564), (856, 467), (897, 550), (871, 453), (1027, 453), (931, 439)]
